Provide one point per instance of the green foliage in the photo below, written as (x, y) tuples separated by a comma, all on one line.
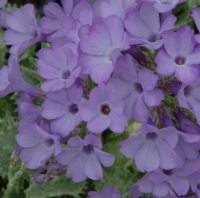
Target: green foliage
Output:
[(56, 188), (183, 12)]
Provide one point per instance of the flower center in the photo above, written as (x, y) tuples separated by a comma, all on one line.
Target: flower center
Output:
[(151, 136), (167, 172), (105, 109), (187, 91), (73, 108), (138, 87), (66, 74), (49, 142), (88, 148), (180, 60), (152, 38)]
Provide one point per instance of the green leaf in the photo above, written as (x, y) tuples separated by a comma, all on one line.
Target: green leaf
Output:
[(58, 187)]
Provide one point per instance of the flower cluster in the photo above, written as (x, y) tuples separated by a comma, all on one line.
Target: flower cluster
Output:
[(106, 64)]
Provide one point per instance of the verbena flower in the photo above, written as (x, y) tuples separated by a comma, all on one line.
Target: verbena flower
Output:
[(36, 145), (58, 66), (104, 110), (63, 108), (22, 29), (84, 158), (152, 148), (145, 26), (180, 56), (136, 88), (98, 60)]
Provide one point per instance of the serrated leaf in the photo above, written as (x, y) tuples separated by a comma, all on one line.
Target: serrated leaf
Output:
[(57, 187)]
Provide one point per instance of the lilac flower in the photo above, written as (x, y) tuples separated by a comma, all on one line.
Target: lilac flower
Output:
[(104, 110), (137, 89), (188, 97), (187, 147), (98, 60), (11, 79), (164, 5), (196, 15), (57, 20), (62, 108), (84, 158), (58, 66), (145, 28), (36, 145), (28, 111), (164, 183), (64, 21), (152, 148), (181, 56), (22, 28), (195, 183), (107, 8), (107, 192)]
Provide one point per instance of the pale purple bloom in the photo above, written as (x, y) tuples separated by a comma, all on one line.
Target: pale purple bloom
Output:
[(57, 21), (189, 98), (65, 21), (181, 56), (28, 111), (145, 26), (163, 183), (195, 183), (152, 148), (84, 158), (11, 79), (36, 145), (101, 44), (107, 8), (107, 192), (163, 5), (136, 88), (104, 110), (22, 28), (63, 108), (58, 66), (196, 16)]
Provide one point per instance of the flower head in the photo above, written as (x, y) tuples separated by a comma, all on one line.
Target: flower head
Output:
[(84, 158)]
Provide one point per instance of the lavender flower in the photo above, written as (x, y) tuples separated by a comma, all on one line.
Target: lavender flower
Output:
[(152, 148), (137, 89), (22, 28), (84, 158), (104, 110), (164, 183), (36, 145), (98, 60), (107, 8), (11, 79), (64, 21), (63, 108), (58, 66), (188, 97), (181, 56), (145, 28)]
